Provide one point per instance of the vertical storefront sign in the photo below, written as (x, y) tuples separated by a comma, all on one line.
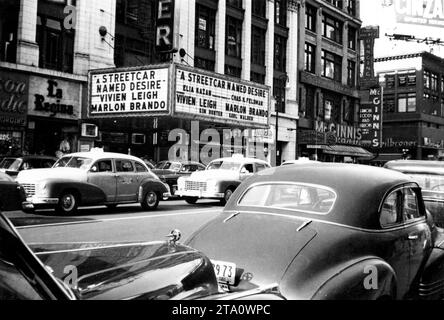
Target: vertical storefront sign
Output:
[(368, 36), (370, 119), (165, 26)]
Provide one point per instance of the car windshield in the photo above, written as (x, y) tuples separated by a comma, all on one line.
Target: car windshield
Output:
[(73, 162), (224, 165), (12, 164), (299, 197)]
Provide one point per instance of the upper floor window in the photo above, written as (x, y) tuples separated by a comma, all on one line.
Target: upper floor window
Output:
[(332, 28), (259, 8), (351, 73), (352, 38), (8, 30), (279, 94), (280, 50), (331, 66), (204, 64), (310, 58), (56, 44), (351, 7), (336, 3), (406, 79), (257, 77), (389, 104), (430, 80), (257, 46), (280, 12), (127, 11), (205, 27), (235, 3), (407, 102), (442, 84), (310, 18), (234, 37), (233, 71)]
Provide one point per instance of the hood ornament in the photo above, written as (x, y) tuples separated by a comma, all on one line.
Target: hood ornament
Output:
[(174, 237)]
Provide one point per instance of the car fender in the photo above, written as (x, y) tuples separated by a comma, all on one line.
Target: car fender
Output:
[(366, 279), (431, 284), (151, 185), (225, 184), (89, 193)]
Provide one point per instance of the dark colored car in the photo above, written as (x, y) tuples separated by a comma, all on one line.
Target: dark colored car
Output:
[(13, 165), (327, 231), (170, 171), (12, 195), (148, 271), (430, 177)]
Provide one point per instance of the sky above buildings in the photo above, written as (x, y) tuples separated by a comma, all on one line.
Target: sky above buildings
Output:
[(391, 15)]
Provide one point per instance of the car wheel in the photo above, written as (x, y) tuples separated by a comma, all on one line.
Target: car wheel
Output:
[(68, 203), (191, 200), (227, 195), (151, 201)]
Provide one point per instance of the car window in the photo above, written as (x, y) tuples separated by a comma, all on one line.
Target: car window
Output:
[(300, 197), (260, 167), (390, 213), (124, 166), (47, 163), (248, 168), (162, 165), (410, 209), (214, 165), (104, 166), (140, 167)]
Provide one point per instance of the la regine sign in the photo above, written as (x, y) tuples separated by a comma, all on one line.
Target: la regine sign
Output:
[(424, 12)]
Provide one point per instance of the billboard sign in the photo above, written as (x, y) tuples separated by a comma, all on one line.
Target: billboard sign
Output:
[(218, 98), (370, 119), (422, 12), (129, 92)]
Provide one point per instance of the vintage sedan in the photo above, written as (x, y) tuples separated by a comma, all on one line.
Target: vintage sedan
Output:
[(102, 271), (430, 177), (326, 231), (220, 179), (12, 195), (93, 178), (13, 165), (170, 171)]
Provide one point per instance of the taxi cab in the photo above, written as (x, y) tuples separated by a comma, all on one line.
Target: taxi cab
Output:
[(220, 179), (93, 178)]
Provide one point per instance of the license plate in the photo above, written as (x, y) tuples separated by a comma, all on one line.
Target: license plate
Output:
[(225, 271)]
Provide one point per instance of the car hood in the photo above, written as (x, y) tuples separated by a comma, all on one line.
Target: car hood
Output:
[(36, 175), (214, 174), (164, 172), (155, 270), (262, 246)]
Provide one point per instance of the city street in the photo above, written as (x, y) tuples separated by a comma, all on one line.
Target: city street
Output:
[(126, 223)]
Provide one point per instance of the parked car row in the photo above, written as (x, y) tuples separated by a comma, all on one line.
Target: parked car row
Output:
[(306, 231)]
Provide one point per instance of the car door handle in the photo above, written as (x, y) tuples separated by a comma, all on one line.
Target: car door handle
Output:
[(413, 237)]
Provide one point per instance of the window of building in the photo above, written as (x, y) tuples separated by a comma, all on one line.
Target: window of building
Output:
[(389, 104), (390, 80), (434, 82), (204, 64), (431, 81), (310, 58), (8, 30), (352, 38), (336, 3), (332, 28), (56, 44), (442, 107), (310, 17), (442, 84), (233, 71), (279, 94), (205, 27), (280, 53), (127, 11), (350, 5), (347, 111), (234, 37), (351, 73), (280, 12), (258, 46), (407, 102), (257, 77), (259, 8), (235, 3), (331, 66)]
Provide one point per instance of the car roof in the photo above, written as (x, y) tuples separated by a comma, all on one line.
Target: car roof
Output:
[(360, 189), (103, 155), (241, 160), (30, 156), (416, 166)]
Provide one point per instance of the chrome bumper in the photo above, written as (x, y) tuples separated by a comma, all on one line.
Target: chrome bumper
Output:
[(199, 194), (42, 200)]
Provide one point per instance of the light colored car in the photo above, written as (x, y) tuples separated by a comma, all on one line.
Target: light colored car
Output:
[(93, 178), (220, 179), (299, 161)]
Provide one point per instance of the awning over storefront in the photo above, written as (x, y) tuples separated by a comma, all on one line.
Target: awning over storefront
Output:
[(385, 157), (348, 151)]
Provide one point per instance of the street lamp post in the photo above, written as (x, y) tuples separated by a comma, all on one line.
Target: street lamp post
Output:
[(283, 79)]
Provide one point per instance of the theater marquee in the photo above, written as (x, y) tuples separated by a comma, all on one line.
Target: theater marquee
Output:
[(216, 98)]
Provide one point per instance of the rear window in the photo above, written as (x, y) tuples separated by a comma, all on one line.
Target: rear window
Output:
[(431, 182), (300, 197)]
